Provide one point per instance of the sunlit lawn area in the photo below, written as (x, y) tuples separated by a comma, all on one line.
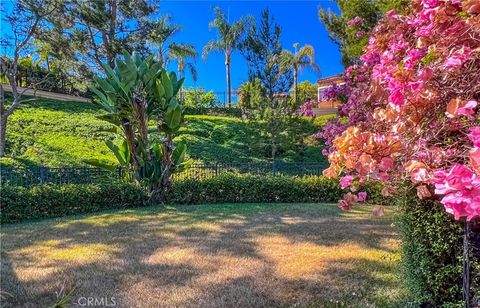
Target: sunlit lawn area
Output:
[(247, 255)]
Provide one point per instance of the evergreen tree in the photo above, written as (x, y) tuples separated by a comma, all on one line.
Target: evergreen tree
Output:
[(266, 94), (352, 38)]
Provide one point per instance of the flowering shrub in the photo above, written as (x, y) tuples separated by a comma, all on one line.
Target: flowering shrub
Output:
[(306, 109), (412, 107)]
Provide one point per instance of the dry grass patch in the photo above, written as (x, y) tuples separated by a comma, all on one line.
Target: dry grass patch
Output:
[(248, 255)]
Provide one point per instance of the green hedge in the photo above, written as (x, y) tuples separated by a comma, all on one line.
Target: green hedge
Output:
[(432, 254), (19, 203), (218, 111), (255, 188), (44, 201)]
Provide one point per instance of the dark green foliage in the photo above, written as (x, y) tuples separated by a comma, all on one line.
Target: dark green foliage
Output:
[(255, 188), (20, 203), (199, 98), (432, 254), (43, 201), (307, 91), (218, 111), (263, 96)]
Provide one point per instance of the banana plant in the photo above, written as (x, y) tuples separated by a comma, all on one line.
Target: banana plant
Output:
[(135, 93)]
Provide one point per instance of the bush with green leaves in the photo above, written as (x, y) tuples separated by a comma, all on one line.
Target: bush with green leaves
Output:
[(46, 201), (254, 188), (134, 93), (432, 254), (199, 98)]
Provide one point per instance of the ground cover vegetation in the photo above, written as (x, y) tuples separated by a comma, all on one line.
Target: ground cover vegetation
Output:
[(57, 134)]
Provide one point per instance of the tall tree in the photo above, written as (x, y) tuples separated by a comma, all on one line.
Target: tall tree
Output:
[(297, 61), (229, 39), (158, 33), (266, 93), (351, 37), (102, 29), (180, 53), (25, 20)]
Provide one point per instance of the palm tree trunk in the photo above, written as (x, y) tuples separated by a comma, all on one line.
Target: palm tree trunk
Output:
[(160, 55), (180, 76), (295, 84), (229, 87)]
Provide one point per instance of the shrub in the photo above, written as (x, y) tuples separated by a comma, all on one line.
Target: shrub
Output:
[(44, 201), (214, 111), (199, 98), (256, 188), (432, 254)]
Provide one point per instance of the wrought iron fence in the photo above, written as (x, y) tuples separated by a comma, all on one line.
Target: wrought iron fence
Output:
[(70, 175), (44, 175)]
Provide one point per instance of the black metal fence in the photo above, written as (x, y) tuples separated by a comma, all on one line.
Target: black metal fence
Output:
[(43, 175)]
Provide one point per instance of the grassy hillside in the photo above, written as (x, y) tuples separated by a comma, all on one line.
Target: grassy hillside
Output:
[(55, 133)]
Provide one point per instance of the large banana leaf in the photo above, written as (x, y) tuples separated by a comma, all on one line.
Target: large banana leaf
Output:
[(122, 153)]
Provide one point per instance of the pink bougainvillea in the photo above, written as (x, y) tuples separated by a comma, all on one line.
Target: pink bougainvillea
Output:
[(355, 21), (412, 110)]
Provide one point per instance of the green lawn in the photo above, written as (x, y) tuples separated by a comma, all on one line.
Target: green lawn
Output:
[(248, 255), (55, 133)]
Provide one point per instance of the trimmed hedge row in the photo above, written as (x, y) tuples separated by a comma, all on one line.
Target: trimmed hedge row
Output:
[(433, 255), (44, 201), (19, 203), (255, 188), (228, 112)]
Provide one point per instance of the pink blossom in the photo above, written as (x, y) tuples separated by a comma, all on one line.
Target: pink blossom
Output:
[(346, 181), (355, 21), (453, 180), (344, 205), (467, 110), (360, 34), (474, 135), (362, 196), (396, 98), (391, 13), (475, 160), (431, 3), (386, 163), (461, 190), (418, 175), (458, 57)]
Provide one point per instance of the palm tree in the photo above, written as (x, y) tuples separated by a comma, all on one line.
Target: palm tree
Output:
[(181, 52), (159, 32), (229, 39), (302, 58)]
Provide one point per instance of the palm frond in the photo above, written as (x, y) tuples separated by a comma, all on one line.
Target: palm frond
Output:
[(286, 61), (307, 51), (193, 71), (212, 46), (182, 51)]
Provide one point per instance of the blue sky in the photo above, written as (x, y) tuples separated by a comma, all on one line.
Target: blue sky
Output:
[(298, 19)]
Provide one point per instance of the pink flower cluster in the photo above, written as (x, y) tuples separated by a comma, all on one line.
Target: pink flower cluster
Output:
[(355, 21), (412, 109), (306, 109), (460, 188)]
